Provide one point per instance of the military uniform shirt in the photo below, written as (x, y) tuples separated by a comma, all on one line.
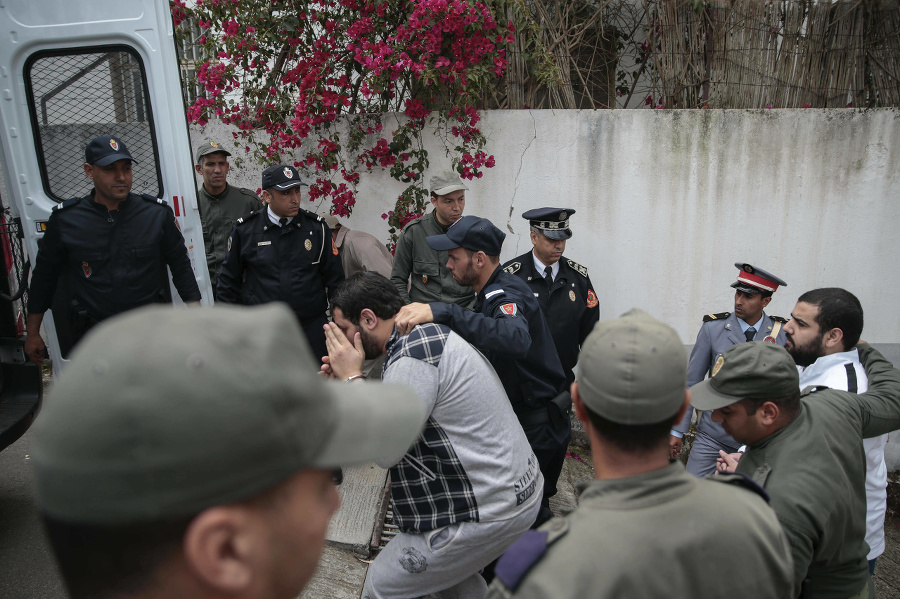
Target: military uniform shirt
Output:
[(626, 540), (218, 215), (424, 270), (113, 260), (814, 471), (569, 305), (361, 252)]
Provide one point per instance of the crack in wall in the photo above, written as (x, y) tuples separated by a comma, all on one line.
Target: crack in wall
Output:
[(512, 201)]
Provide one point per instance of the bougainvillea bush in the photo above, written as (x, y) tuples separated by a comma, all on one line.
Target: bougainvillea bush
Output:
[(284, 72)]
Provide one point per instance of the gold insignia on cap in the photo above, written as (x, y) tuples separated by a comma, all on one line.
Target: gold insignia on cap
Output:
[(571, 295), (720, 361), (114, 144), (307, 244), (748, 268), (563, 215), (289, 174), (214, 144)]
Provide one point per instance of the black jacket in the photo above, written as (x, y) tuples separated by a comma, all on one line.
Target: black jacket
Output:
[(114, 261), (267, 263)]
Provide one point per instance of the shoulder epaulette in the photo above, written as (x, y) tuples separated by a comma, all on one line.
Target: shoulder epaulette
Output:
[(513, 268), (812, 389), (527, 551), (577, 267), (778, 318), (154, 199), (66, 204), (312, 215), (247, 217), (247, 192), (414, 221), (739, 479), (719, 316)]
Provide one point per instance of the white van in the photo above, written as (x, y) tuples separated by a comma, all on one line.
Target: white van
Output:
[(70, 71)]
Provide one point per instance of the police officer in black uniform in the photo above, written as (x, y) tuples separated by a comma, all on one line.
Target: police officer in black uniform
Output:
[(509, 328), (282, 253), (562, 286), (112, 247)]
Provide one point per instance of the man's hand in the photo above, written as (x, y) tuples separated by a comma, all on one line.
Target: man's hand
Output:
[(412, 314), (344, 359), (35, 349), (675, 446), (727, 463)]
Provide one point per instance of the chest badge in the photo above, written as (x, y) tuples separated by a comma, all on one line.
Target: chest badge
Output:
[(86, 269), (592, 300), (424, 279), (720, 361), (571, 295), (769, 339), (307, 244)]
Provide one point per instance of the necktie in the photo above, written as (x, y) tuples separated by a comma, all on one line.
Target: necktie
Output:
[(749, 333), (282, 221), (548, 276)]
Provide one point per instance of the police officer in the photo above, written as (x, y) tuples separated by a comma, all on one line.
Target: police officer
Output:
[(220, 204), (283, 253), (112, 247), (627, 538), (562, 287), (753, 292), (420, 272), (509, 328)]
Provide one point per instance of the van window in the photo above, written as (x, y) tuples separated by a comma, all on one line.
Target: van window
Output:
[(77, 94)]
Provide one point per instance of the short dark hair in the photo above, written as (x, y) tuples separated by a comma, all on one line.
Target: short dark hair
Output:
[(105, 561), (838, 309), (789, 404), (632, 438), (370, 290), (765, 294)]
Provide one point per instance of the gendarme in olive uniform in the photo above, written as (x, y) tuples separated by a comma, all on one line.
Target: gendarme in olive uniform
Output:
[(421, 269), (813, 467), (567, 298), (219, 213)]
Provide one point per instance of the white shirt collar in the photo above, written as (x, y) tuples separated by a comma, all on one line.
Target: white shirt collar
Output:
[(540, 266), (275, 218)]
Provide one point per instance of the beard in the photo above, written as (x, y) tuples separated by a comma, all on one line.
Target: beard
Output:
[(370, 346), (806, 354), (468, 276)]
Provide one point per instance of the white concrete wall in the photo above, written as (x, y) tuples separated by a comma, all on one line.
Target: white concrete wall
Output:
[(667, 201)]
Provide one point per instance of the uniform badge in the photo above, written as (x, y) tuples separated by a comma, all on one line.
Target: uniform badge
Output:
[(288, 173), (770, 339), (214, 144), (720, 361), (424, 279), (334, 249), (592, 300), (86, 269), (307, 244), (114, 144), (509, 309), (571, 295), (563, 216)]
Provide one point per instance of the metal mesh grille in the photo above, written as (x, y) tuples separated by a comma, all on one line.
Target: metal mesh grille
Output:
[(79, 95)]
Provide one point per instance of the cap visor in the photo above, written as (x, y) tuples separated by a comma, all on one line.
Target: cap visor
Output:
[(441, 243), (741, 286), (107, 160), (288, 185), (375, 422), (559, 234), (705, 397), (449, 189)]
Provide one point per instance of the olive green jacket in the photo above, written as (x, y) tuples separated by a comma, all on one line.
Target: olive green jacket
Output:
[(814, 469), (665, 533), (423, 270), (218, 215)]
